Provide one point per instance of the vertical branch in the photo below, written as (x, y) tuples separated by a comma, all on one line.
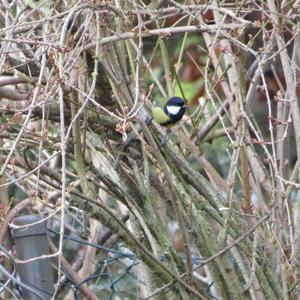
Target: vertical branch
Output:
[(167, 67), (290, 77), (4, 207), (165, 57), (63, 145), (245, 181), (89, 190), (243, 135)]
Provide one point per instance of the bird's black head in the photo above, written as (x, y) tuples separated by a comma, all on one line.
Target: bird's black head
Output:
[(175, 108)]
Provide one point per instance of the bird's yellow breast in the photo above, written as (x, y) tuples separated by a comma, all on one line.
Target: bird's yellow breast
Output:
[(159, 115)]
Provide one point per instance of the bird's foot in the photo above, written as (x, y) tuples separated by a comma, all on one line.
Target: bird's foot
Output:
[(148, 120), (165, 138)]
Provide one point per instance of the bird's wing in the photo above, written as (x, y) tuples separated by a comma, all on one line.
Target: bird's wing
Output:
[(159, 115)]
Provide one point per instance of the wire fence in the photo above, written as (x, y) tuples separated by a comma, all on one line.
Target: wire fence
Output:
[(116, 273)]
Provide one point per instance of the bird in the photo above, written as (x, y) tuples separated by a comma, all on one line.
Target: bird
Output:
[(166, 116), (171, 113)]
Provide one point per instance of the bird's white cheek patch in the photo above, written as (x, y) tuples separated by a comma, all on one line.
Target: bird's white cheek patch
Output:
[(173, 110)]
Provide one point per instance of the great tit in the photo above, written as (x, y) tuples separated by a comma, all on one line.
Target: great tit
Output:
[(171, 113)]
